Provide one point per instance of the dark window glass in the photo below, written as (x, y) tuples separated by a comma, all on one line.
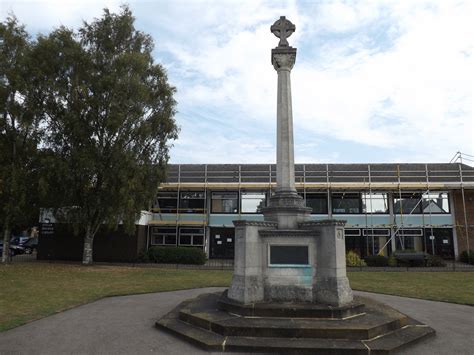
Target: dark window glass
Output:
[(191, 236), (198, 240), (170, 240), (185, 240), (192, 202), (346, 203), (353, 232), (224, 202), (166, 202), (318, 202), (162, 235), (407, 203)]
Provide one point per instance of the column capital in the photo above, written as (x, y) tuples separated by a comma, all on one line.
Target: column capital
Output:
[(283, 59)]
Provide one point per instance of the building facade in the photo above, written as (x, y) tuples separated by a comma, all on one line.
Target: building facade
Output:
[(388, 207)]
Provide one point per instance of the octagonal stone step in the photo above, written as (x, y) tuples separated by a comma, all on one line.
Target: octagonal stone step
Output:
[(201, 322)]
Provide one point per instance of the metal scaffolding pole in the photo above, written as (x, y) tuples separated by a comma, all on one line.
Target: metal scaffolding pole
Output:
[(466, 226)]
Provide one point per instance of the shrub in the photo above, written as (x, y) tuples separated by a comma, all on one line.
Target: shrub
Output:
[(392, 261), (353, 259), (435, 260), (467, 256), (176, 255), (376, 260)]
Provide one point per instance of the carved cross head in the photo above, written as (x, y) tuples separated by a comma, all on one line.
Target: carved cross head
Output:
[(282, 28)]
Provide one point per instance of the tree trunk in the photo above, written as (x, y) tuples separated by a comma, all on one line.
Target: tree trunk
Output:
[(88, 243), (6, 244)]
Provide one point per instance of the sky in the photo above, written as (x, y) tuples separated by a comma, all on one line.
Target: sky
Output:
[(374, 81)]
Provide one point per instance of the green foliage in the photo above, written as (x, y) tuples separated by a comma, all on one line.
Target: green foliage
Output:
[(109, 111), (467, 256), (353, 259), (175, 255), (20, 131), (392, 261), (376, 260), (410, 257), (435, 260)]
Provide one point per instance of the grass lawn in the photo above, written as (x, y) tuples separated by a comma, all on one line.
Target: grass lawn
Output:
[(33, 290)]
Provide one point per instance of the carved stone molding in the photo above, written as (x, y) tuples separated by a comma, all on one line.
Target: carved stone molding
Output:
[(283, 61), (240, 223), (325, 222)]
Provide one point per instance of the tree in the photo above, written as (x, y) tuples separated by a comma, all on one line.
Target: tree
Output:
[(110, 112), (20, 132)]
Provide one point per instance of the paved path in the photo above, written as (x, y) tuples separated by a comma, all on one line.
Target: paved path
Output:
[(124, 325)]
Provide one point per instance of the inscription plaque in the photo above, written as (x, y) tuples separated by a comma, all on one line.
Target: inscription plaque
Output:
[(289, 255)]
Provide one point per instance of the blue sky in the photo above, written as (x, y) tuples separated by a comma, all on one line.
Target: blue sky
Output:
[(374, 81)]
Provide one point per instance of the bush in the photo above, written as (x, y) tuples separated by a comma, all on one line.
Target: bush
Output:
[(467, 256), (435, 260), (410, 257), (353, 259), (376, 260), (392, 261), (175, 255)]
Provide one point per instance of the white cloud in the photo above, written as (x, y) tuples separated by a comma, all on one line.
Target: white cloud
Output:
[(392, 75)]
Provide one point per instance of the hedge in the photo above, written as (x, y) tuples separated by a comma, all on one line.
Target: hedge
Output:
[(175, 255), (376, 260), (464, 256)]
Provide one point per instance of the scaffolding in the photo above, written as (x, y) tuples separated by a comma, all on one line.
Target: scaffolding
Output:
[(328, 178)]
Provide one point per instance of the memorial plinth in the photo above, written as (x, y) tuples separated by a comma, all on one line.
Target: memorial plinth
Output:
[(290, 291), (321, 276)]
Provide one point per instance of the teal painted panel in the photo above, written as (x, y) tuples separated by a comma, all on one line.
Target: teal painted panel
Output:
[(418, 221), (164, 217), (222, 220), (360, 221), (192, 217)]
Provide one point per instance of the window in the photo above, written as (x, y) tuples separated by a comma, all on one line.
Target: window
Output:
[(191, 236), (435, 202), (351, 232), (318, 202), (346, 203), (374, 203), (166, 202), (418, 203), (224, 202), (192, 202), (409, 238), (407, 203), (163, 236), (252, 202)]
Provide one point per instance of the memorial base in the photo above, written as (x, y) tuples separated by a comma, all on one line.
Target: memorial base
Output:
[(216, 323)]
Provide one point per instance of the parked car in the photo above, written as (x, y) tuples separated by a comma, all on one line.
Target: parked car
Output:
[(31, 245), (19, 240)]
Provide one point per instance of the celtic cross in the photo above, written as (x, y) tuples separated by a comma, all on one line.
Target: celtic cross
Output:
[(283, 29)]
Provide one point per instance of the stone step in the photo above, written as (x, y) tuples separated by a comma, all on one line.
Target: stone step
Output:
[(202, 313), (387, 344), (291, 310)]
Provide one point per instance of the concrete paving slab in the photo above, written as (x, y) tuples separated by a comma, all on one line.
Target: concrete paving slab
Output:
[(125, 325)]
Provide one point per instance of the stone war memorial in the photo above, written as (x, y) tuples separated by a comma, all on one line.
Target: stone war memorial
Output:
[(290, 292)]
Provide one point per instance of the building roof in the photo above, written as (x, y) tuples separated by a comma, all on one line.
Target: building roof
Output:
[(323, 174)]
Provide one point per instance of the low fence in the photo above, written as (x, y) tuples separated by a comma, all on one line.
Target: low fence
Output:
[(228, 264)]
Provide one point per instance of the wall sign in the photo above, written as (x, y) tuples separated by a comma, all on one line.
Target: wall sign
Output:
[(289, 255), (47, 229)]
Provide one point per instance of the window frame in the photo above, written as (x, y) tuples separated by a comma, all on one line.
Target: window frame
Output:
[(236, 211), (249, 192)]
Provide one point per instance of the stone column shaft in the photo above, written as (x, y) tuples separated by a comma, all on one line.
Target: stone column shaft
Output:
[(283, 61), (285, 145)]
